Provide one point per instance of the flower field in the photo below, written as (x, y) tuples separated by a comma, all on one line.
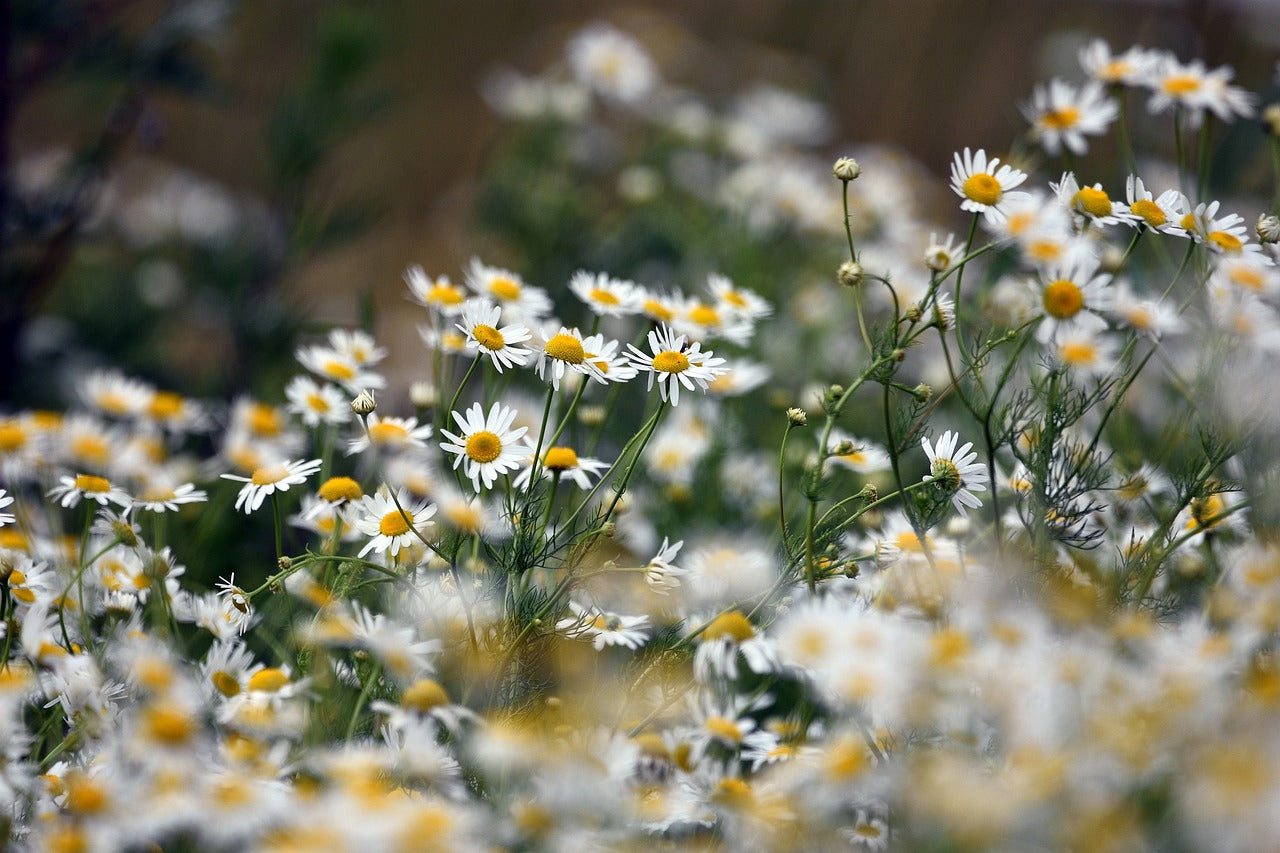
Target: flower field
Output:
[(749, 492)]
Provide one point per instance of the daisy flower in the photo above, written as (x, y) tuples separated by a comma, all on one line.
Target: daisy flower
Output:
[(1223, 235), (604, 628), (324, 519), (563, 462), (338, 367), (487, 445), (480, 325), (858, 455), (89, 487), (940, 256), (1249, 271), (700, 320), (470, 515), (115, 394), (956, 471), (674, 362), (316, 403), (1041, 230), (565, 350), (1085, 349), (737, 300), (1129, 68), (438, 294), (1148, 317), (391, 529), (357, 345), (1071, 293), (612, 63), (508, 290), (1194, 89), (660, 307), (1090, 204), (603, 354), (660, 573), (1159, 213), (984, 187), (447, 341), (742, 378), (268, 479), (390, 434), (1060, 114), (6, 499), (606, 296), (160, 495)]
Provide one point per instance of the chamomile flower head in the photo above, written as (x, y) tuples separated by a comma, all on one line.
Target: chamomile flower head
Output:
[(480, 323), (742, 377), (1223, 235), (675, 362), (612, 63), (1090, 204), (941, 255), (390, 435), (701, 320), (1129, 68), (857, 455), (1194, 89), (1086, 350), (1062, 115), (89, 487), (438, 294), (956, 470), (335, 366), (660, 573), (447, 341), (162, 494), (661, 306), (1071, 293), (737, 300), (486, 445), (1251, 272), (606, 296), (316, 403), (116, 395), (326, 519), (562, 462), (562, 352), (1041, 230), (1150, 317), (518, 300), (604, 628), (602, 353), (6, 499), (985, 185), (271, 478), (470, 515)]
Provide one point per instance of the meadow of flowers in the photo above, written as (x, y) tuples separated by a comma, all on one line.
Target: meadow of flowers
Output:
[(804, 503)]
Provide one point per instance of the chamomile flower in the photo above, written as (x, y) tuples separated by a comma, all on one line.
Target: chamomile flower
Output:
[(1149, 317), (565, 351), (940, 256), (271, 478), (1194, 89), (742, 377), (161, 495), (1090, 204), (563, 462), (117, 395), (390, 435), (1062, 115), (659, 306), (470, 515), (392, 530), (89, 487), (986, 186), (1159, 213), (338, 367), (612, 63), (438, 294), (1129, 68), (674, 362), (602, 353), (1249, 271), (479, 323), (604, 628), (858, 455), (1223, 235), (1071, 293), (486, 444), (448, 341), (606, 296), (316, 403), (1086, 350), (357, 345), (1041, 230), (955, 470), (660, 573), (737, 299), (701, 320), (6, 499), (508, 290)]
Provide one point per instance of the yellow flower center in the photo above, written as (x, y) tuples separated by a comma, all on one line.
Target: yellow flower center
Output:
[(1044, 250), (165, 404), (452, 341), (1092, 201), (339, 370), (1150, 212), (504, 288), (113, 403), (732, 624), (734, 298), (268, 680), (1061, 119), (395, 523), (600, 363), (566, 348), (723, 729), (1020, 222), (1115, 70), (704, 315), (983, 188), (734, 793), (657, 310), (85, 796), (169, 726), (335, 489), (488, 337), (1246, 277), (225, 683), (1063, 299), (317, 403), (89, 483), (12, 436), (560, 459), (603, 296), (1078, 353), (671, 361), (264, 420), (464, 517), (267, 476), (1180, 84), (387, 433), (484, 446), (423, 695), (1188, 223), (93, 448), (1226, 242), (445, 294)]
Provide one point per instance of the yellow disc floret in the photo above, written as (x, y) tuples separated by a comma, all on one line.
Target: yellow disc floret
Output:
[(671, 361), (560, 459), (89, 483), (423, 695), (1092, 201), (395, 523), (1150, 212), (488, 337), (504, 288), (566, 348), (983, 188), (484, 446), (732, 624), (336, 489), (1063, 299)]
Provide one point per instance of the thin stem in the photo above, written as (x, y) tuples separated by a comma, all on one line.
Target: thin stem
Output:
[(453, 404)]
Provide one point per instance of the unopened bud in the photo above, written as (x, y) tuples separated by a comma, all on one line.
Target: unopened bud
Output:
[(1271, 120), (124, 534), (914, 313), (1112, 259), (871, 493), (608, 529), (922, 392), (797, 416), (831, 397), (364, 404), (422, 395), (850, 273), (591, 416), (1269, 228), (284, 563), (899, 355), (846, 169)]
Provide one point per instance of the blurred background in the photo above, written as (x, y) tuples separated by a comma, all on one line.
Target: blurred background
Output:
[(193, 187)]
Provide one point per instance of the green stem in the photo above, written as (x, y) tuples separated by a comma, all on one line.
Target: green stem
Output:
[(453, 404)]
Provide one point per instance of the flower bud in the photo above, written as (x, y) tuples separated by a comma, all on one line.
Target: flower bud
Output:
[(922, 392), (850, 273), (797, 416), (364, 404), (591, 416), (1269, 228), (422, 395), (846, 169), (1271, 120), (830, 397)]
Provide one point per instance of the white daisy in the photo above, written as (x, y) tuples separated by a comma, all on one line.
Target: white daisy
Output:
[(1145, 316), (602, 353), (504, 287), (674, 362), (390, 434), (438, 294), (1223, 235), (984, 187), (604, 295), (1086, 351), (391, 529), (1159, 213), (1194, 89), (270, 478), (316, 403), (565, 350), (604, 628), (357, 345), (5, 500), (89, 487), (487, 445), (160, 495), (612, 63), (1060, 114), (660, 573), (1090, 204), (1129, 68), (737, 299), (338, 367), (1071, 293), (955, 470), (563, 462), (856, 454), (115, 394), (480, 324)]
